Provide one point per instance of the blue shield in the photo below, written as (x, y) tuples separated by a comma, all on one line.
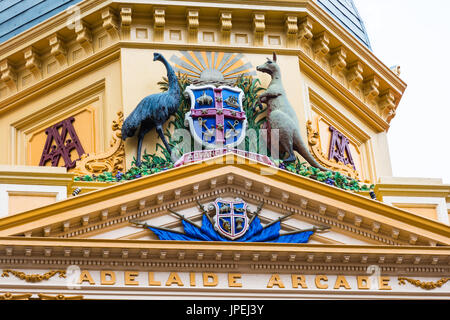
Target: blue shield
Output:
[(231, 218), (216, 118)]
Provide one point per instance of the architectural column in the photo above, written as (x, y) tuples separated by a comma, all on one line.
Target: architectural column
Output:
[(8, 75), (338, 61), (225, 26), (387, 104), (192, 25), (354, 75), (110, 23), (125, 22), (291, 28), (370, 89), (58, 49), (259, 27), (159, 23), (33, 62), (84, 37)]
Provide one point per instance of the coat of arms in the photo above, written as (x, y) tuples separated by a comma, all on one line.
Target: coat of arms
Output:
[(231, 219), (216, 118)]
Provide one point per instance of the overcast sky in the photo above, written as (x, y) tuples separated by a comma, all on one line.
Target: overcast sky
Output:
[(415, 34)]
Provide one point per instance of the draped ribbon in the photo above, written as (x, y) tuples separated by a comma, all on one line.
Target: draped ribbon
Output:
[(255, 233)]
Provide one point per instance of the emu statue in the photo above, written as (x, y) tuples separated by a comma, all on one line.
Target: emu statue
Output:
[(153, 111), (281, 115)]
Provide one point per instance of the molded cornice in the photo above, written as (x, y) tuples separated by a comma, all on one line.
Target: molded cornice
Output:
[(149, 189), (126, 254), (103, 15)]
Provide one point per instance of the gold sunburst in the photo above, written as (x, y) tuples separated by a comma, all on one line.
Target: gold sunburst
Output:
[(219, 67)]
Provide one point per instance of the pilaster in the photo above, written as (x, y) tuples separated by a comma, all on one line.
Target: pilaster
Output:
[(192, 21), (58, 49), (259, 26), (225, 26), (125, 22), (159, 23)]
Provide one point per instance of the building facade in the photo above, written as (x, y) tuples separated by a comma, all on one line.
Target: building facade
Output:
[(213, 210)]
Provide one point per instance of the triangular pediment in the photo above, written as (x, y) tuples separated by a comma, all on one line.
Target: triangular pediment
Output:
[(170, 220), (108, 213)]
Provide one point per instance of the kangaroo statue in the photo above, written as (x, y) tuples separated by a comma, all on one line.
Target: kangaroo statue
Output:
[(281, 116)]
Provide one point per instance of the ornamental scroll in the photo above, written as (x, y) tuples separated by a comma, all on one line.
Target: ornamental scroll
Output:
[(424, 285), (346, 167), (110, 161), (34, 277)]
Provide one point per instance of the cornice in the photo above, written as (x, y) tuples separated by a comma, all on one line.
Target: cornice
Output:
[(240, 166), (412, 190), (266, 257), (359, 49), (390, 86), (36, 178), (97, 224), (47, 28), (360, 108), (100, 58)]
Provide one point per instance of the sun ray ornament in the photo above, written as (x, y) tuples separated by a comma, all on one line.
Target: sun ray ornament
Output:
[(218, 68)]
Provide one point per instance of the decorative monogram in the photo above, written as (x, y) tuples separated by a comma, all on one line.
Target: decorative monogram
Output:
[(340, 148), (61, 140)]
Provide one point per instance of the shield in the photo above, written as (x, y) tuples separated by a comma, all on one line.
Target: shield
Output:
[(216, 118), (231, 218)]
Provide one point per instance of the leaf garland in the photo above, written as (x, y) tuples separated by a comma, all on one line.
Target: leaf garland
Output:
[(154, 163)]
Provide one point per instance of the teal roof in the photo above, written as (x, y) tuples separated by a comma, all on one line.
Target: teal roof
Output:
[(345, 12), (17, 16)]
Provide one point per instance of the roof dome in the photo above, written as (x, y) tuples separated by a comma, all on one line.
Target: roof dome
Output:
[(345, 12)]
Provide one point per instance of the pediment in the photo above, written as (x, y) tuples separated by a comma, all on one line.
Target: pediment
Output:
[(108, 213), (193, 213)]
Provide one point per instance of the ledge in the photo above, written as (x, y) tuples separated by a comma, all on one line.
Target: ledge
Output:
[(35, 175), (389, 87)]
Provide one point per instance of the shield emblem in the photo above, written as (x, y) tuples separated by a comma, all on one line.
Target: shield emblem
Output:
[(231, 218), (216, 118)]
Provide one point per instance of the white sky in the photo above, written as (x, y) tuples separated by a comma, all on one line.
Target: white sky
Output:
[(415, 34)]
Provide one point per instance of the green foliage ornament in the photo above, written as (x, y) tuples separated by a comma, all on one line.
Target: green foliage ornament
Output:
[(162, 161)]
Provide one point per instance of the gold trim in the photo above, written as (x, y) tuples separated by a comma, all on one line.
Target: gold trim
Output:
[(314, 146), (9, 296), (58, 297), (234, 163), (424, 285), (113, 160), (281, 248), (34, 277)]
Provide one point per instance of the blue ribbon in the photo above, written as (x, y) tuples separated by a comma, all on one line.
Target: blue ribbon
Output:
[(255, 233)]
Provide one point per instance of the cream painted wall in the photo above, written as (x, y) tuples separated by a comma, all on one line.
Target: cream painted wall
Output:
[(441, 205), (59, 192)]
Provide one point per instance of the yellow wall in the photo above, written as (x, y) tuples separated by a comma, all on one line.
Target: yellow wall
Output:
[(107, 66), (92, 98), (19, 202), (424, 210)]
